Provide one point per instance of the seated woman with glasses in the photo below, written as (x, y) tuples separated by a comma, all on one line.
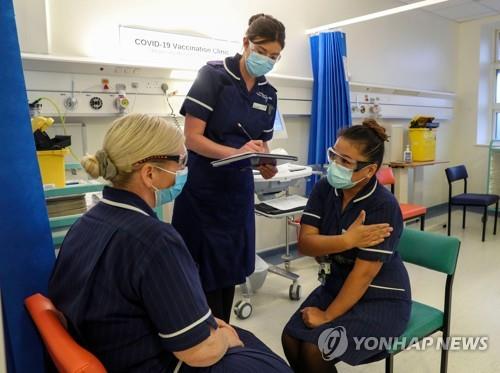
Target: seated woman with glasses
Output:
[(353, 224), (125, 281)]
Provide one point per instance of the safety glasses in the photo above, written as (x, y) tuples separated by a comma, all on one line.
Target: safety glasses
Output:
[(345, 161), (181, 159)]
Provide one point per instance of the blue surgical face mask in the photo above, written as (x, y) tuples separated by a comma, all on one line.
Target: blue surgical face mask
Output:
[(167, 195), (340, 177), (258, 64)]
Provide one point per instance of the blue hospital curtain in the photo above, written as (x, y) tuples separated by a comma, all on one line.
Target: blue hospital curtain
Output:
[(330, 104), (26, 251)]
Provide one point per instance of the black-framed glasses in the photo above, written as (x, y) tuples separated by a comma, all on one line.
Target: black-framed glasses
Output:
[(180, 159), (344, 161), (177, 158)]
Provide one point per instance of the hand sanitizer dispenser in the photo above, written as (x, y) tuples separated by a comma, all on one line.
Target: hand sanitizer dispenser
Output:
[(407, 156)]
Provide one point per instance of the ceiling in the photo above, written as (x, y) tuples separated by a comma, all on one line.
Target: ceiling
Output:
[(463, 10)]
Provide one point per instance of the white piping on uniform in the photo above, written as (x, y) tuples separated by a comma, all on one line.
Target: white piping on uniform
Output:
[(187, 328), (178, 367), (267, 131), (335, 189), (313, 215), (376, 250), (123, 206), (369, 194), (199, 103), (263, 83), (385, 287), (229, 71)]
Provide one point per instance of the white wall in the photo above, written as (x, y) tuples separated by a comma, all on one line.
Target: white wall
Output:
[(473, 116), (410, 49), (32, 18), (415, 50)]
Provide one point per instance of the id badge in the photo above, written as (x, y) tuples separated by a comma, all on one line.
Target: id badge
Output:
[(326, 268), (260, 107)]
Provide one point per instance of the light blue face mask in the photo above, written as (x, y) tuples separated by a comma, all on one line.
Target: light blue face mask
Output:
[(167, 195), (258, 64), (340, 177)]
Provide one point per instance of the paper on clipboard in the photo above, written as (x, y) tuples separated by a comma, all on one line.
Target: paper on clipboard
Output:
[(254, 160)]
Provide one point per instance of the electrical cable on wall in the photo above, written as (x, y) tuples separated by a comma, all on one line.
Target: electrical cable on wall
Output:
[(164, 88), (131, 110)]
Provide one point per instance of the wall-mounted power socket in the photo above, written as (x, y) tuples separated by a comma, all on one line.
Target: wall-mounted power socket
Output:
[(153, 84)]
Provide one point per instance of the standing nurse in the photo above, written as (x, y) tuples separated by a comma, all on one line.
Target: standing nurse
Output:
[(229, 110)]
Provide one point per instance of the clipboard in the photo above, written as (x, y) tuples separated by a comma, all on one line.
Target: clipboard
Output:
[(254, 160)]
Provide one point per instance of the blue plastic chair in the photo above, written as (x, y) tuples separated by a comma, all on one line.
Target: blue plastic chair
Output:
[(468, 199)]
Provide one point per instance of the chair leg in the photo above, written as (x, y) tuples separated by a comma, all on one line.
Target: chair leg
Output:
[(485, 217), (463, 218), (389, 363), (449, 219), (422, 222), (496, 218), (444, 359)]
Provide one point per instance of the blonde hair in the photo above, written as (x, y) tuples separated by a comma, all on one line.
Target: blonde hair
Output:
[(131, 139)]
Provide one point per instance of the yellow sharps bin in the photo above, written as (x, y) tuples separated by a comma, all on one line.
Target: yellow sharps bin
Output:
[(422, 144), (51, 164)]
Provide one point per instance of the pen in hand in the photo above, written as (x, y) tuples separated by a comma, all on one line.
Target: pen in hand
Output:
[(245, 131), (253, 146)]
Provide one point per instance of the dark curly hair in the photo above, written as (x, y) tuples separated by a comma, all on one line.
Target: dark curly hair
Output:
[(370, 136)]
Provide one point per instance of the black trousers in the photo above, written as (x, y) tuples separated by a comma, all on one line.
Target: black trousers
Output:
[(220, 302)]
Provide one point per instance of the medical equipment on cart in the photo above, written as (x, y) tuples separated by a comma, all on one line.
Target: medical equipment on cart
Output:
[(275, 203)]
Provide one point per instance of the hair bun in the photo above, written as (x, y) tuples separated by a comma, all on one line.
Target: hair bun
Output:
[(376, 128), (255, 17), (91, 165)]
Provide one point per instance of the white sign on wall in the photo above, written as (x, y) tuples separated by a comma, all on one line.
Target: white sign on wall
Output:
[(173, 50)]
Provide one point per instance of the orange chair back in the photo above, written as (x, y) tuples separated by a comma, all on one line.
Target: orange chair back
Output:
[(385, 176), (67, 355)]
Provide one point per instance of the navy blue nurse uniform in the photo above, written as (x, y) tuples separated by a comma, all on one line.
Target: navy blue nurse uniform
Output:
[(214, 213), (384, 310), (131, 292)]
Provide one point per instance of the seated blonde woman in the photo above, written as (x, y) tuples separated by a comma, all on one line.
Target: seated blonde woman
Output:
[(125, 280)]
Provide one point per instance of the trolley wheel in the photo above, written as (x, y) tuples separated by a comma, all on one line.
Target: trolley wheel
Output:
[(243, 310), (287, 265), (295, 291)]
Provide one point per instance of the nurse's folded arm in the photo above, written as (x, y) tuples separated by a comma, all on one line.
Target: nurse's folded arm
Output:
[(312, 243), (212, 349), (194, 129)]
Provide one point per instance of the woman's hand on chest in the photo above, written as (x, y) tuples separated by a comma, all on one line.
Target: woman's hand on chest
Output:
[(360, 235)]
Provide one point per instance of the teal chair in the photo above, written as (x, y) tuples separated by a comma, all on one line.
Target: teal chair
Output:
[(439, 253)]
